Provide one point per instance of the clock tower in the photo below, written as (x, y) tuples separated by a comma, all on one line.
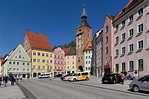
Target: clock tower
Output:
[(83, 36)]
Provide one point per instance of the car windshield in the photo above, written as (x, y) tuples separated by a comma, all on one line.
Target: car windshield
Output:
[(142, 78)]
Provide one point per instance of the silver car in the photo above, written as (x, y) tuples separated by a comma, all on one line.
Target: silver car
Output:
[(141, 84)]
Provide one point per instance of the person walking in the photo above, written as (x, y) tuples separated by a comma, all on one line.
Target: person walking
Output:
[(12, 80), (5, 80), (122, 77)]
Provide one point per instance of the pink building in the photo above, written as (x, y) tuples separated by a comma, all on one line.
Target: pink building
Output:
[(108, 44), (131, 38), (59, 61)]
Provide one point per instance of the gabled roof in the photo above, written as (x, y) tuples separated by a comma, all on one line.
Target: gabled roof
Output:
[(66, 50), (70, 51), (38, 41), (88, 47), (129, 5)]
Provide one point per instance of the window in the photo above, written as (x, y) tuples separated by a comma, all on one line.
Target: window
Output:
[(34, 53), (131, 67), (140, 28), (23, 63), (9, 62), (38, 67), (17, 63), (131, 18), (140, 12), (34, 60), (117, 67), (19, 56), (50, 61), (67, 57), (47, 55), (130, 32), (43, 61), (131, 47), (106, 29), (123, 23), (50, 55), (27, 63), (72, 62), (123, 36), (116, 52), (38, 60), (123, 67), (13, 62), (140, 43), (116, 27), (86, 68), (47, 61), (123, 50), (42, 54), (38, 53), (140, 64), (117, 39), (73, 67), (106, 50), (106, 40)]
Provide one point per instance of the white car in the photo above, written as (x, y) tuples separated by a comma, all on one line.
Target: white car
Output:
[(141, 84), (45, 75)]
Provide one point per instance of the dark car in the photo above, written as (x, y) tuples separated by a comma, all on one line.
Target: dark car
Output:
[(58, 75), (111, 78)]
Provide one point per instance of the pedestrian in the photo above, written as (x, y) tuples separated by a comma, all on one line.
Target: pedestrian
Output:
[(50, 78), (122, 77), (5, 80), (12, 80)]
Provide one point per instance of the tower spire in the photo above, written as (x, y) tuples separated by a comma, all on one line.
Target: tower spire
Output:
[(84, 15)]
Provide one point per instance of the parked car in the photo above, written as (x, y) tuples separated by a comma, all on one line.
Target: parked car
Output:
[(58, 75), (44, 75), (141, 84), (65, 77), (111, 78), (79, 76)]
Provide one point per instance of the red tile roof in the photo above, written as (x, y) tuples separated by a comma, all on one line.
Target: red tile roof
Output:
[(129, 5), (66, 50), (38, 41), (88, 46)]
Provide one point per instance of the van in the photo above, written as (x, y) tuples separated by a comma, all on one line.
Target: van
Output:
[(79, 76), (44, 75)]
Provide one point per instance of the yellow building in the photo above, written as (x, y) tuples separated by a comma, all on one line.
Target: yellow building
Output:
[(39, 49)]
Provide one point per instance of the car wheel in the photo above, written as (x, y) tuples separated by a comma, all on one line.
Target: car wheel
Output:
[(135, 88), (74, 79), (87, 78)]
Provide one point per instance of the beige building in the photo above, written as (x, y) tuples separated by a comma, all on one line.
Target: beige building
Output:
[(83, 36), (70, 59), (39, 49)]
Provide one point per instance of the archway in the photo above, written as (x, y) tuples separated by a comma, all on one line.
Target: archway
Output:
[(80, 68)]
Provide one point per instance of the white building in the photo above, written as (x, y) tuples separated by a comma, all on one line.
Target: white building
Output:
[(88, 57), (18, 63)]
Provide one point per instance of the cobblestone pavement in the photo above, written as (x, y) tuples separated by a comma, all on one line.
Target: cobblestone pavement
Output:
[(11, 92)]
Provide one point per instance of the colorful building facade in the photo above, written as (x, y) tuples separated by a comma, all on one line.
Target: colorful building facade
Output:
[(17, 63), (131, 38), (59, 61), (39, 49)]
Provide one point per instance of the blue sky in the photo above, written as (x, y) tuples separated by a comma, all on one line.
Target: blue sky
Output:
[(58, 19)]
